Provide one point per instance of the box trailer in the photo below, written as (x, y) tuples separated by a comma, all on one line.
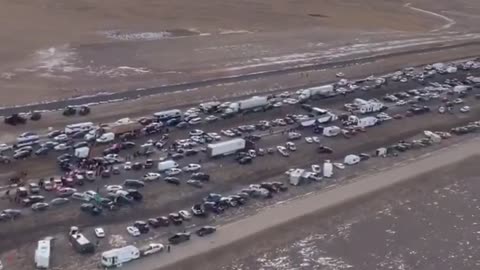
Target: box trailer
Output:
[(226, 147), (82, 152), (118, 256), (42, 254), (166, 165)]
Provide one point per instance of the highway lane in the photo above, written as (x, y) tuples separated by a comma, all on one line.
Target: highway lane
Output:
[(184, 256), (137, 93)]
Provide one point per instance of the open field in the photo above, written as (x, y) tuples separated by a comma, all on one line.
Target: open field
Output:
[(85, 47)]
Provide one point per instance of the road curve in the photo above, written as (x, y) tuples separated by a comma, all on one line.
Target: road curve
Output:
[(185, 255), (132, 94)]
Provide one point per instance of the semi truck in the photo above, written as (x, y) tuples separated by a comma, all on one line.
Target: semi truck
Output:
[(118, 256), (319, 91), (119, 128), (256, 102), (226, 147)]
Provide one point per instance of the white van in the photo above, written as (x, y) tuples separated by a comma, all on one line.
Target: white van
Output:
[(116, 257), (69, 129), (166, 115), (106, 137), (167, 165)]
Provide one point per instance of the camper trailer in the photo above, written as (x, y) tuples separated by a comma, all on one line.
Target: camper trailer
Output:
[(118, 256)]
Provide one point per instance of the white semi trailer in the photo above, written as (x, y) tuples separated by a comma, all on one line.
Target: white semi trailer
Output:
[(226, 147), (247, 104)]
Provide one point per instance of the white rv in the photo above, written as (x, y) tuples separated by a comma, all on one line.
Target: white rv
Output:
[(116, 257), (167, 115), (42, 254)]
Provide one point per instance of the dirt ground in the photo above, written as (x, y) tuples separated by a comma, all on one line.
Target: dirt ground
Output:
[(105, 113), (85, 47), (429, 223)]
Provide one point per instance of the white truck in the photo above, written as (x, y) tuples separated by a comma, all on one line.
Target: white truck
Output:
[(118, 256), (320, 91), (295, 177), (106, 137), (166, 165), (331, 131), (370, 106), (226, 147), (247, 104), (82, 152), (367, 121), (42, 254), (327, 169)]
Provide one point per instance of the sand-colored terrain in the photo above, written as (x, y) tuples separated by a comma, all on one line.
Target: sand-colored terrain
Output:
[(53, 50)]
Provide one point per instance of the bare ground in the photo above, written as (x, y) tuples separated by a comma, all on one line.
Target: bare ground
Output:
[(75, 48)]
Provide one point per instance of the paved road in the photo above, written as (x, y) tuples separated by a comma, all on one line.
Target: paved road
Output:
[(184, 256), (132, 94)]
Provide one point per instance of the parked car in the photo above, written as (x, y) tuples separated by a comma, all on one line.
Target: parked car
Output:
[(175, 219), (40, 206), (205, 230), (179, 238), (173, 171), (198, 210), (192, 167), (34, 188), (200, 176), (185, 214), (99, 232), (133, 231), (134, 183), (151, 248), (91, 209), (59, 201), (142, 226), (151, 176), (195, 183), (172, 180), (163, 221)]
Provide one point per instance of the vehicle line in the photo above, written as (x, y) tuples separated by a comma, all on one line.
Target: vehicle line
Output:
[(285, 214)]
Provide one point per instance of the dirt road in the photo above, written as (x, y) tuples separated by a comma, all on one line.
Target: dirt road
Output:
[(184, 256)]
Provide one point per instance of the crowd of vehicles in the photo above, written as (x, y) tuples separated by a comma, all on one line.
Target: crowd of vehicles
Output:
[(80, 168)]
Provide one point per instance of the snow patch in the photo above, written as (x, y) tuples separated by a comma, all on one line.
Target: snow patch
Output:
[(148, 36)]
